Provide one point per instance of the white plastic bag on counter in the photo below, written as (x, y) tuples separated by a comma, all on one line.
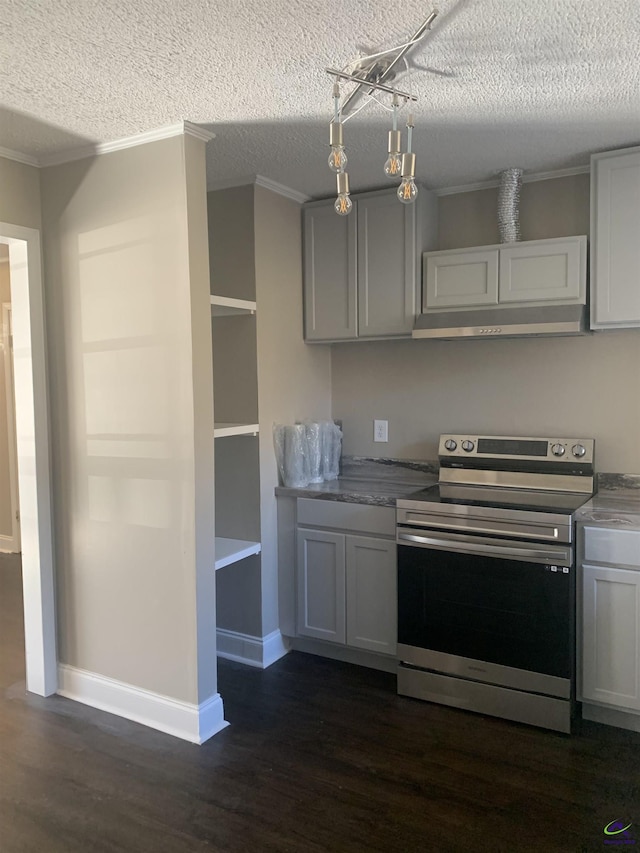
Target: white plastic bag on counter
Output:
[(308, 452), (331, 444), (314, 449), (292, 454)]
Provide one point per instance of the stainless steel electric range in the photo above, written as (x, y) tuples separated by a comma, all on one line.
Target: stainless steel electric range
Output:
[(486, 578)]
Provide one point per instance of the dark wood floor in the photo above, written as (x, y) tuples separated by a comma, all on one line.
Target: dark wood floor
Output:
[(320, 756)]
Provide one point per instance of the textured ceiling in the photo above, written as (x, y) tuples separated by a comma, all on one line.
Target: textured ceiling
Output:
[(539, 85)]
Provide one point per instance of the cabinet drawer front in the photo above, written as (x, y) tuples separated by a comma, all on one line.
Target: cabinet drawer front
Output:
[(613, 547), (457, 279), (548, 270), (380, 520)]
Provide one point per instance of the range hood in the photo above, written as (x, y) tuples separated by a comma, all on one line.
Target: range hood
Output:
[(503, 322)]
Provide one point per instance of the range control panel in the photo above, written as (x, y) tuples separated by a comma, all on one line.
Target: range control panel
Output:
[(517, 447)]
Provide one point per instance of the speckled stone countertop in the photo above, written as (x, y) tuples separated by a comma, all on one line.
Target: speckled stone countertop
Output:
[(616, 504), (377, 482)]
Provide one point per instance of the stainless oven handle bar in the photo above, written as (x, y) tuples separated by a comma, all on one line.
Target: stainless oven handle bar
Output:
[(465, 524), (557, 556), (552, 530)]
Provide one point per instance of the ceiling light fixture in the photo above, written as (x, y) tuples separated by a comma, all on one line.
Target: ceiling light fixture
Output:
[(371, 74)]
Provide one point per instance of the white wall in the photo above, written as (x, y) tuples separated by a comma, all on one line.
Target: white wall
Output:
[(131, 415), (6, 528)]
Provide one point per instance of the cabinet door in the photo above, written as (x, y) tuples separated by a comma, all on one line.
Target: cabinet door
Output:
[(615, 240), (329, 273), (611, 637), (387, 266), (544, 270), (461, 278), (372, 598), (321, 585)]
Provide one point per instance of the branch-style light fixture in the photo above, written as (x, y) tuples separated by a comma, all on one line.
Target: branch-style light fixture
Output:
[(371, 74)]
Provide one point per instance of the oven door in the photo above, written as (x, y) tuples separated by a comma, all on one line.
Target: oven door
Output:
[(487, 600)]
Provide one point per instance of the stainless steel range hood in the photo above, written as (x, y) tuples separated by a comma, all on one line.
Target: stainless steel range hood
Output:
[(503, 322)]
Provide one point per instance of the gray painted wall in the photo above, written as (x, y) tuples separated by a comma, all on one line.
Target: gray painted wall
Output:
[(564, 386), (20, 194), (131, 415)]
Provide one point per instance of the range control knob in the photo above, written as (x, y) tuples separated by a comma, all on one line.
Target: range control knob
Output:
[(450, 444), (579, 450), (557, 449), (467, 445)]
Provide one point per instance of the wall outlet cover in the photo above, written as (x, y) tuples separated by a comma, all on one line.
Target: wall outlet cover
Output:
[(381, 430)]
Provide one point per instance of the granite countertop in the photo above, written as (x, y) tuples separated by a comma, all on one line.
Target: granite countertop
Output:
[(612, 508), (377, 482), (373, 492), (616, 503)]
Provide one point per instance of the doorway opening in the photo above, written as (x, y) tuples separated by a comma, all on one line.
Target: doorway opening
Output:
[(32, 454)]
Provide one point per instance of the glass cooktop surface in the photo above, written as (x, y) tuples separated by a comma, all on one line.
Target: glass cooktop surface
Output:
[(532, 500)]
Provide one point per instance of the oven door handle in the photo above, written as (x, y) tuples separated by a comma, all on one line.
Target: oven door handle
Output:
[(559, 556)]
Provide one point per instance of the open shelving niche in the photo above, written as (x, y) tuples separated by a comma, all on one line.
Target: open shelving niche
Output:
[(230, 550)]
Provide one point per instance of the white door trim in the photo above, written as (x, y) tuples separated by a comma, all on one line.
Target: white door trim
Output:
[(32, 439), (10, 543)]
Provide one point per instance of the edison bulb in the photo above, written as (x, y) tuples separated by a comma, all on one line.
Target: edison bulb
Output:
[(343, 204), (407, 191), (393, 166), (337, 159)]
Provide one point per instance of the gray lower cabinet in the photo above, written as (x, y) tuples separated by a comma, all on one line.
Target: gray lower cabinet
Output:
[(372, 617), (611, 618), (321, 585), (362, 271), (346, 585), (615, 239)]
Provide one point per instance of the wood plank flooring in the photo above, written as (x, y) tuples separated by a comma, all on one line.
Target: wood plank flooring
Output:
[(320, 756)]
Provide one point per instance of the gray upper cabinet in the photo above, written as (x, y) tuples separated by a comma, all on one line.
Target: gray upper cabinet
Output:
[(543, 270), (530, 272), (362, 271), (615, 239), (460, 278), (330, 285), (388, 274)]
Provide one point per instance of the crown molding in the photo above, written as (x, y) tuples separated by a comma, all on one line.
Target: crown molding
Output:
[(178, 129), (202, 133), (280, 189), (526, 179), (19, 157), (259, 181)]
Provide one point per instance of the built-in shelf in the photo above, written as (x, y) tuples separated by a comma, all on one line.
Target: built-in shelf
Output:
[(224, 306), (223, 430), (229, 551)]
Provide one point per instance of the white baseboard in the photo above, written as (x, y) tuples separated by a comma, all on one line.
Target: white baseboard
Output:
[(195, 723), (252, 651), (8, 545)]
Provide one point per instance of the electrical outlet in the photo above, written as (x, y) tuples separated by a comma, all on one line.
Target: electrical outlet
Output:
[(381, 430)]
